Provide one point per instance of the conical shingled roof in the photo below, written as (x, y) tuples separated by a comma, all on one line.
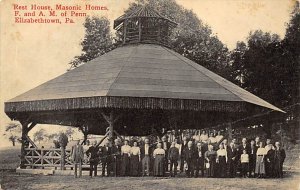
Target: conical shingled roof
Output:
[(136, 71)]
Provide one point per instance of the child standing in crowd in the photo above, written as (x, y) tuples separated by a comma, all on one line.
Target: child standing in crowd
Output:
[(245, 163)]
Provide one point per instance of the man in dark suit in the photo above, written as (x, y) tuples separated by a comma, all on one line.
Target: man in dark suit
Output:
[(93, 156), (232, 156), (199, 159), (190, 156), (181, 152), (116, 157), (146, 154), (279, 157), (166, 145), (173, 156), (105, 155), (252, 158), (242, 147)]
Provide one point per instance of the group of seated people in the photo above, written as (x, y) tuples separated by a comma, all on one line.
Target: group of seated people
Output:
[(195, 156)]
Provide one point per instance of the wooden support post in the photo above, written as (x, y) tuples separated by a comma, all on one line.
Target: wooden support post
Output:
[(111, 119), (24, 143), (62, 158)]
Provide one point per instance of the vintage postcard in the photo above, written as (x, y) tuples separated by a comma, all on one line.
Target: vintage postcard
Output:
[(149, 94)]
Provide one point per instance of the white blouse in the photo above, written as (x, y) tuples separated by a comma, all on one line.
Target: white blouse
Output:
[(222, 152), (219, 138), (203, 137), (244, 158), (125, 149), (135, 151), (261, 151), (212, 139), (159, 151)]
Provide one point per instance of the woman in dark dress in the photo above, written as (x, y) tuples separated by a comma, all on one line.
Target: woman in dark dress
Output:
[(221, 161), (159, 160), (125, 153), (210, 157), (135, 157)]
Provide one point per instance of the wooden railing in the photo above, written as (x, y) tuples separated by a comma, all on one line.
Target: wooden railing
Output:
[(41, 158)]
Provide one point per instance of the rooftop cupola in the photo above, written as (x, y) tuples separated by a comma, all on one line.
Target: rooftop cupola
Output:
[(144, 25)]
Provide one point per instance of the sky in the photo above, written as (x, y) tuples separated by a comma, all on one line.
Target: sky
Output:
[(31, 54)]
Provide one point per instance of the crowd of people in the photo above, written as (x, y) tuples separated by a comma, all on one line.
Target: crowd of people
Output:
[(199, 155)]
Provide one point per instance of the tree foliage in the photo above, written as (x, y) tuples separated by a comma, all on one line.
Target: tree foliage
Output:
[(269, 66), (39, 135), (69, 132), (97, 40), (63, 139), (13, 132)]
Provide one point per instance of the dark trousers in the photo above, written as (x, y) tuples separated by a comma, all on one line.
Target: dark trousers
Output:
[(181, 164), (166, 164), (106, 165), (117, 166), (191, 168), (231, 168), (173, 164), (93, 168), (269, 168), (200, 167), (252, 163), (245, 168)]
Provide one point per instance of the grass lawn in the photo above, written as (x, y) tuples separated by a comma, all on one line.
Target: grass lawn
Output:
[(9, 157), (9, 160)]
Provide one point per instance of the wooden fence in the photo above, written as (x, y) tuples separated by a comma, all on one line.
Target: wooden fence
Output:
[(42, 158)]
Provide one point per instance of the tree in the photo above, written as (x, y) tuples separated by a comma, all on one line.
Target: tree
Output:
[(291, 42), (69, 132), (269, 67), (63, 142), (97, 40), (13, 132), (39, 135)]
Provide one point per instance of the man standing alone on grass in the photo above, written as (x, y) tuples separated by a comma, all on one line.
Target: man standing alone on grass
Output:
[(77, 155)]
